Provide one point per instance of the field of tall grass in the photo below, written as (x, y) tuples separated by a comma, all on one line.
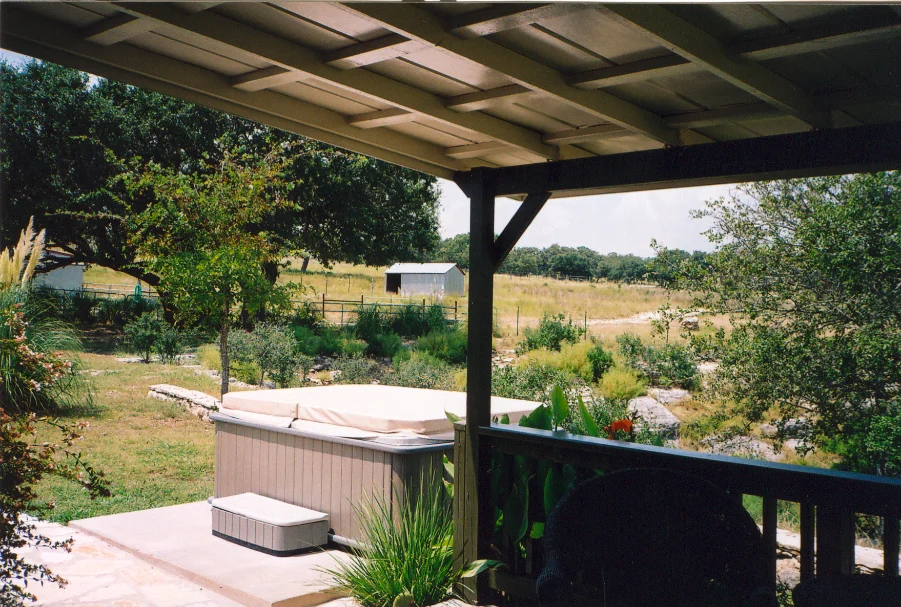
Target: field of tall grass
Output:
[(520, 301)]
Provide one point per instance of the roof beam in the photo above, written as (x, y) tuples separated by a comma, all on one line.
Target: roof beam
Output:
[(705, 118), (834, 35), (25, 32), (685, 39), (416, 23), (831, 36), (474, 150), (472, 102), (288, 55), (505, 16), (372, 51), (813, 153), (371, 120), (588, 133), (115, 29), (265, 78)]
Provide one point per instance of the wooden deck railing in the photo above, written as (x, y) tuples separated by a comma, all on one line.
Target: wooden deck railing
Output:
[(828, 499)]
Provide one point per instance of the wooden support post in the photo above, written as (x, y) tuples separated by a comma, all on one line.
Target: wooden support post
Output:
[(890, 543), (478, 514), (808, 530), (835, 541), (770, 516)]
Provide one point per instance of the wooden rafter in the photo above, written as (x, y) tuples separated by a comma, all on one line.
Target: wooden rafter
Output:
[(378, 118), (685, 39), (265, 78), (372, 51), (115, 29), (418, 24), (288, 55), (471, 102), (505, 16)]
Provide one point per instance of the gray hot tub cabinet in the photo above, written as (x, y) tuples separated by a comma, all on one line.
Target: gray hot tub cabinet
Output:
[(323, 473)]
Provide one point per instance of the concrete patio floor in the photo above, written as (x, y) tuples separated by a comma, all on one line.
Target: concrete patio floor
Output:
[(175, 549)]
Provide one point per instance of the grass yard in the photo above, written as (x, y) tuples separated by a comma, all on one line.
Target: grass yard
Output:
[(152, 451)]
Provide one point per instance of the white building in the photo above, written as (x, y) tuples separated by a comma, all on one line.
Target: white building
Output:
[(65, 278), (435, 279)]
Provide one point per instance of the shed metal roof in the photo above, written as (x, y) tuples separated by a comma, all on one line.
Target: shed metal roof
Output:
[(445, 87), (421, 268)]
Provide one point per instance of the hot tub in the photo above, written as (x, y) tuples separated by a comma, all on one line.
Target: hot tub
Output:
[(328, 448)]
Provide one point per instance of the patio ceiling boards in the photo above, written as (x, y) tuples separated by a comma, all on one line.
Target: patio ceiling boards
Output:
[(446, 87)]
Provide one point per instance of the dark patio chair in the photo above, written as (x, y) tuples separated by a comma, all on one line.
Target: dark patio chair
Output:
[(649, 537), (849, 591)]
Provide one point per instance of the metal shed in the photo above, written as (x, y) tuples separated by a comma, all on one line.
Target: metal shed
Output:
[(436, 279)]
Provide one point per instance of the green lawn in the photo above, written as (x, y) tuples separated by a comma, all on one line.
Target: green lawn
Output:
[(152, 451)]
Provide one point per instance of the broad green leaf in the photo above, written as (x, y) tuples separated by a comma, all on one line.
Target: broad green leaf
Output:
[(537, 531), (516, 521), (448, 466), (591, 428), (559, 406), (539, 419), (477, 567), (451, 417), (449, 487), (505, 419), (554, 487)]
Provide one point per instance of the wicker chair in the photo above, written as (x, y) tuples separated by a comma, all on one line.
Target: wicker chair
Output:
[(648, 537)]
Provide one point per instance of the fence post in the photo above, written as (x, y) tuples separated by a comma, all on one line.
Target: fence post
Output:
[(323, 306), (342, 313), (517, 320), (455, 312)]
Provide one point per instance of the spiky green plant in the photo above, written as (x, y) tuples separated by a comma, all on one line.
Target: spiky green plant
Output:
[(409, 555), (17, 265)]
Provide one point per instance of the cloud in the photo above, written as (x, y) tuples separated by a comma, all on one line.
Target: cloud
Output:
[(622, 223)]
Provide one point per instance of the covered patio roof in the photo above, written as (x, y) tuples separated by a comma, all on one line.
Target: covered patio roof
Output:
[(446, 87)]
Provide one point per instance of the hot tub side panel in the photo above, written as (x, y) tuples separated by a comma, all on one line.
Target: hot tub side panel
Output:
[(316, 473)]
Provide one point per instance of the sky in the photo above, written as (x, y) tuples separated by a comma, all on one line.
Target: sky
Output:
[(621, 223)]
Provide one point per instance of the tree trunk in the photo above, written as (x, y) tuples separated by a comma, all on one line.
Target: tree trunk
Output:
[(223, 347), (306, 262), (270, 269)]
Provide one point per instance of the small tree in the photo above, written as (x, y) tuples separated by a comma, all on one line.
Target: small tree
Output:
[(204, 240), (143, 334)]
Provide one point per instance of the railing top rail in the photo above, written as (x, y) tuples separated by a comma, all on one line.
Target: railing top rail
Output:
[(862, 493)]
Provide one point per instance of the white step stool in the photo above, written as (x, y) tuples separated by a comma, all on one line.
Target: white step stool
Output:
[(268, 525)]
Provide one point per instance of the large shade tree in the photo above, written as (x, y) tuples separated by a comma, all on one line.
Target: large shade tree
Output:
[(66, 141), (810, 273)]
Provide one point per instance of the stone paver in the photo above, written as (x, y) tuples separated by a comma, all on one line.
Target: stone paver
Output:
[(101, 574)]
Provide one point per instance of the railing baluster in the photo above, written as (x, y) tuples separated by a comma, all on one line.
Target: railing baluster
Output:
[(890, 545), (808, 526), (835, 541), (770, 510)]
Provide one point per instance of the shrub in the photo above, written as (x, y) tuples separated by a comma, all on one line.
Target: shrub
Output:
[(407, 553), (208, 356), (143, 334), (170, 344), (621, 384), (572, 359), (449, 346), (271, 348), (370, 322), (385, 344), (305, 363), (551, 333), (357, 370), (600, 360), (247, 372), (531, 382), (415, 320), (307, 341), (673, 364), (331, 342), (423, 371), (120, 312), (353, 347)]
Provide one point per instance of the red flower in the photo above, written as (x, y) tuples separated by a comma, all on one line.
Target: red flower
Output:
[(620, 425)]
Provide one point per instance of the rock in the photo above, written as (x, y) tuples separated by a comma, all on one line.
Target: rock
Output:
[(742, 446), (130, 359), (670, 396), (198, 403), (655, 415), (796, 427), (691, 323), (707, 368)]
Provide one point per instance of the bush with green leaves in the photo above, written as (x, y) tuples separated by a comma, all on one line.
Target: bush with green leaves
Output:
[(670, 365), (370, 322), (121, 311), (552, 332), (531, 382), (405, 553), (143, 334), (414, 320), (271, 350), (357, 370), (600, 360), (449, 346), (622, 384), (422, 370), (170, 344)]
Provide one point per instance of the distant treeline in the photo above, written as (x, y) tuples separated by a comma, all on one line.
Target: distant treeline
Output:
[(575, 262)]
